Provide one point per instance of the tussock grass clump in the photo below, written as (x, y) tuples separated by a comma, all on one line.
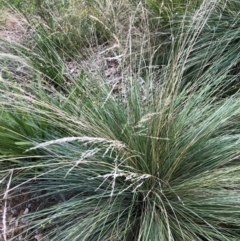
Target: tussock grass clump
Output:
[(158, 163)]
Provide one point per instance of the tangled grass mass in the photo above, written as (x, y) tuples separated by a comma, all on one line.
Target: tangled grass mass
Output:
[(120, 121)]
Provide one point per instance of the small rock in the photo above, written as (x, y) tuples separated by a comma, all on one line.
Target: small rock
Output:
[(26, 211)]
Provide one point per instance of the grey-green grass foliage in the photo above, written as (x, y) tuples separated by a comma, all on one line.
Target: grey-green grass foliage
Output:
[(159, 164)]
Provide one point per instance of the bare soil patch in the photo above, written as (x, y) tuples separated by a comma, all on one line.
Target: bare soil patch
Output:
[(12, 27)]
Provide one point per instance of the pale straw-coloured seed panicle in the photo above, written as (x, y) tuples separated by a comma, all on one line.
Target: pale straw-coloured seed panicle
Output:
[(85, 139), (136, 179), (146, 118), (108, 145), (84, 156)]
